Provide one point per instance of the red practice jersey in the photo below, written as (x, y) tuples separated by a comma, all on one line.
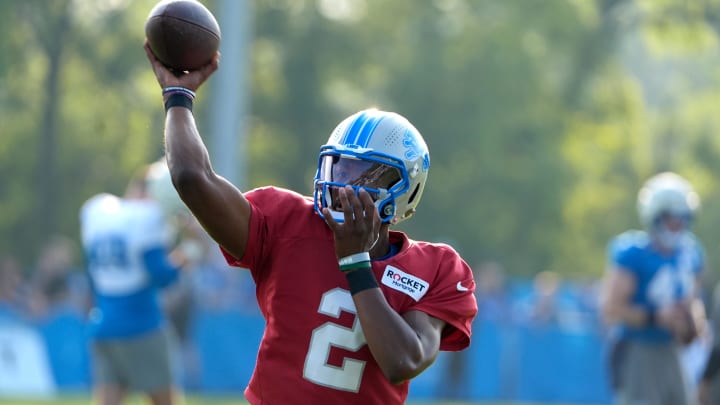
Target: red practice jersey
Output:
[(313, 350)]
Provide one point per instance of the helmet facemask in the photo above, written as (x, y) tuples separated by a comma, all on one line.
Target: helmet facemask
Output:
[(671, 229), (382, 177)]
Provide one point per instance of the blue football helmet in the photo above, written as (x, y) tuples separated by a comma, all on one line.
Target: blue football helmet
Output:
[(666, 194), (379, 151), (668, 197)]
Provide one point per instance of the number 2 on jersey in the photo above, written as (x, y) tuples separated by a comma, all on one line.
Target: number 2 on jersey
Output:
[(348, 376)]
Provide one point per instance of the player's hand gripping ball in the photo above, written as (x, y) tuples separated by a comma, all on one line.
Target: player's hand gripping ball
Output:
[(183, 34), (689, 331)]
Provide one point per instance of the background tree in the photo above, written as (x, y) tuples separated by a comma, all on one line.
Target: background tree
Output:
[(543, 118)]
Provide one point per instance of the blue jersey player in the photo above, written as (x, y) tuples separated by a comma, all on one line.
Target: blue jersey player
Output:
[(126, 242), (651, 294)]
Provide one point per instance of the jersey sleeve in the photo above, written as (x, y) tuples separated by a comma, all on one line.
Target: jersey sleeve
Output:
[(162, 272), (621, 251), (452, 299), (700, 259), (269, 206), (257, 233)]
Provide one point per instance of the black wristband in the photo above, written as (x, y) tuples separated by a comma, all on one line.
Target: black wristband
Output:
[(178, 100), (360, 280)]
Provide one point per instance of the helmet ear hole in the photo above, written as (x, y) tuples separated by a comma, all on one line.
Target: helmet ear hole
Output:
[(413, 194)]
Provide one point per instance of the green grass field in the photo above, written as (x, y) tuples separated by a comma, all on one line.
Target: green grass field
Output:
[(210, 400), (188, 401)]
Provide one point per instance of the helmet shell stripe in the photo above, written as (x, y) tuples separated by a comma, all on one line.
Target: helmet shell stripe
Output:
[(352, 130), (363, 138), (361, 130)]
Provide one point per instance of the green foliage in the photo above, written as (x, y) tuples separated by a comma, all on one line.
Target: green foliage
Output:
[(542, 118)]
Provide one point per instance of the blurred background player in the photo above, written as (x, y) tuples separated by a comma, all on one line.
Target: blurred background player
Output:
[(127, 242), (354, 311), (651, 295), (709, 382)]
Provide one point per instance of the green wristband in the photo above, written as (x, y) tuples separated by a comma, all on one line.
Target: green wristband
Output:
[(354, 266)]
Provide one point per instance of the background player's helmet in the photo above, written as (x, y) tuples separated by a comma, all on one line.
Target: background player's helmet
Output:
[(666, 194), (380, 151), (160, 188)]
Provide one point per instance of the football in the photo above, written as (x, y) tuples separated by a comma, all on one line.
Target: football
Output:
[(183, 34)]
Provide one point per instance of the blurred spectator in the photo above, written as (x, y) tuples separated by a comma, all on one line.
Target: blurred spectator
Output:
[(13, 291), (491, 291), (57, 283), (219, 287), (545, 305), (493, 307), (587, 292)]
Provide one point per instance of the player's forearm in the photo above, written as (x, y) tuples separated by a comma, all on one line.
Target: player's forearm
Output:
[(217, 204), (188, 158), (184, 145), (631, 315), (393, 343)]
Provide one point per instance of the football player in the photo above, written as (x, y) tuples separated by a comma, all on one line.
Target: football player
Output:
[(353, 309), (127, 242), (651, 294), (709, 381)]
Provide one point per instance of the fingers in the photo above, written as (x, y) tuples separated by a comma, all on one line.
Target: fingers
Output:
[(350, 205), (329, 220), (368, 205), (374, 215), (212, 66), (161, 72), (150, 55), (191, 80), (152, 58), (356, 206)]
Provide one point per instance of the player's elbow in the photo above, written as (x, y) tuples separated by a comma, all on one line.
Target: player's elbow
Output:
[(399, 375), (188, 180), (406, 367)]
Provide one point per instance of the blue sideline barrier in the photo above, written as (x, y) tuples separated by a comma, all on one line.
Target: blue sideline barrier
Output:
[(505, 362)]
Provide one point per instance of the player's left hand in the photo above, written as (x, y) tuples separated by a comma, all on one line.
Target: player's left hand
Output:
[(361, 227), (190, 80)]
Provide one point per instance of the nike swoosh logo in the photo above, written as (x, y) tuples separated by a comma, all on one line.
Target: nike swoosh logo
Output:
[(460, 287)]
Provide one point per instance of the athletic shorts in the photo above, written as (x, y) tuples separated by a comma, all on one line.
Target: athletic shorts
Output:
[(650, 374), (143, 363)]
